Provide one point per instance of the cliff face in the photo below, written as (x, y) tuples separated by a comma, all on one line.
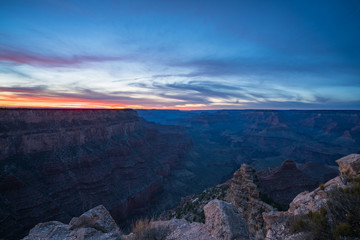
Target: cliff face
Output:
[(56, 164), (283, 183)]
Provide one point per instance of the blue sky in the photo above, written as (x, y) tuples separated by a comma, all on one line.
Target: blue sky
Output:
[(180, 54)]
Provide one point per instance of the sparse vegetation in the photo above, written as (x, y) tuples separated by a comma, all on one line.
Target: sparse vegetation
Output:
[(144, 229), (339, 219), (322, 187), (192, 210)]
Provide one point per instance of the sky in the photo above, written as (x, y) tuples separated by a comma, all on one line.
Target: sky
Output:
[(180, 54)]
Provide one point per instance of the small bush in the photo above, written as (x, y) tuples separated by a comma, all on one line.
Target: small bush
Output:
[(339, 220), (343, 229), (143, 229), (322, 187), (299, 225)]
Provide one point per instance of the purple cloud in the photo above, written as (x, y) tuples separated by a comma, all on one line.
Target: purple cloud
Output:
[(18, 57)]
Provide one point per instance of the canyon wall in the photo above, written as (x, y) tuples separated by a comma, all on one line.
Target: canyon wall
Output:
[(56, 164)]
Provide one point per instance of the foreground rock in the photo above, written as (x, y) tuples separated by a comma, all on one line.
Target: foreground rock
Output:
[(349, 165), (245, 196), (93, 224), (277, 223), (180, 229), (224, 221)]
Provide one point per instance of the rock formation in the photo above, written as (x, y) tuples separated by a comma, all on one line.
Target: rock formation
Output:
[(277, 223), (96, 223), (349, 165), (282, 184), (223, 222), (245, 196)]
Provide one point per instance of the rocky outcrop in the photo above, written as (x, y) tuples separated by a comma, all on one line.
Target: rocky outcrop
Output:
[(349, 165), (245, 196), (56, 164), (180, 229), (94, 224), (277, 223), (191, 207), (224, 221), (282, 184)]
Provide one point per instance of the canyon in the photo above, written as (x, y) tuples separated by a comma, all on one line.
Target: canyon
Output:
[(58, 163)]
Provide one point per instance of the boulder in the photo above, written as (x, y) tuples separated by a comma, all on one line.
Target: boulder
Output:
[(180, 229), (224, 221), (349, 165), (98, 218), (95, 224), (49, 230)]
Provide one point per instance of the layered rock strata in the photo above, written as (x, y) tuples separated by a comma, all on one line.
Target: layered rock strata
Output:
[(56, 164)]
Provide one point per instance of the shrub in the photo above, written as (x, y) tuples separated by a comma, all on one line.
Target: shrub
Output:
[(339, 220), (144, 229), (299, 224), (320, 227), (322, 187), (344, 210), (343, 229)]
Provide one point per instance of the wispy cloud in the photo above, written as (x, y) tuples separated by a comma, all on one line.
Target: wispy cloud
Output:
[(22, 90), (18, 57)]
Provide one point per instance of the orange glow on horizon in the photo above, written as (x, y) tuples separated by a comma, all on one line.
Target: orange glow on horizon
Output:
[(43, 102)]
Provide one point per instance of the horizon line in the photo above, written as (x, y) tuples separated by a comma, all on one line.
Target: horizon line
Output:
[(175, 109)]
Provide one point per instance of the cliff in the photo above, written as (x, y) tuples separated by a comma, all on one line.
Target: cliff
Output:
[(283, 183), (56, 164)]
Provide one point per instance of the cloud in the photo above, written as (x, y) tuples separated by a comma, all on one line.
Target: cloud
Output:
[(198, 92), (24, 90), (15, 72), (85, 94), (265, 66), (18, 57)]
